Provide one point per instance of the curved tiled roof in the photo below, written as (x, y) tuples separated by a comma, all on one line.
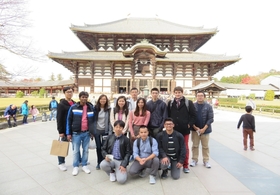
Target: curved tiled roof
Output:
[(36, 84), (143, 26), (225, 86), (118, 56)]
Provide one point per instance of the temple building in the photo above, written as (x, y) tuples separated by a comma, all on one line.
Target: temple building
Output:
[(141, 52)]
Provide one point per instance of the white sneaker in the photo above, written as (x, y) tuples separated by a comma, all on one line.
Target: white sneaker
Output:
[(86, 169), (207, 165), (62, 167), (193, 163), (152, 179), (113, 176), (75, 171)]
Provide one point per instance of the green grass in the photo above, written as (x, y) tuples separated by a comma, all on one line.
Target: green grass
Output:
[(260, 103), (4, 102)]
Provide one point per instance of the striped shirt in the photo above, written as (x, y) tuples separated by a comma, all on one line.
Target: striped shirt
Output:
[(171, 152)]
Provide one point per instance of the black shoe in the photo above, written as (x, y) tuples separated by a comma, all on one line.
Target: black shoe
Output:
[(164, 174), (10, 126), (14, 125)]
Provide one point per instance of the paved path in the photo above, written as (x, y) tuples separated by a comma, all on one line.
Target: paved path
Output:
[(27, 168)]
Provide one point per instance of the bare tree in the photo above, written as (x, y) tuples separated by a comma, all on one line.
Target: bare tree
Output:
[(13, 20), (52, 77), (4, 74), (13, 23), (59, 77)]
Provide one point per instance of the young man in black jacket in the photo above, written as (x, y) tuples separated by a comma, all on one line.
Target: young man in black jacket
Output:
[(158, 112), (62, 110), (116, 150), (172, 150), (182, 111)]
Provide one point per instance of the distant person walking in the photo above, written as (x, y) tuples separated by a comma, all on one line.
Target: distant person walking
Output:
[(11, 112), (34, 112), (251, 103), (53, 108), (24, 111), (249, 127)]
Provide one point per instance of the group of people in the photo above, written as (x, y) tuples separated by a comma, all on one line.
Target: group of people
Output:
[(153, 134), (12, 110)]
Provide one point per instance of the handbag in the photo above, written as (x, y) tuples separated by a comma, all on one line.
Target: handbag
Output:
[(92, 144), (59, 148)]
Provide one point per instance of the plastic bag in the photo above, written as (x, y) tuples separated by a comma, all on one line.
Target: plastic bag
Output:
[(92, 144)]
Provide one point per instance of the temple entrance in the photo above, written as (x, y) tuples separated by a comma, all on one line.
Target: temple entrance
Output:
[(122, 89)]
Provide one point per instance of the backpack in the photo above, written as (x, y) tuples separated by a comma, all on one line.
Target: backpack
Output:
[(138, 143), (186, 103), (53, 104), (20, 110)]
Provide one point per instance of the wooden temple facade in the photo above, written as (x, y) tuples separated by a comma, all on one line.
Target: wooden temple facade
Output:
[(139, 52)]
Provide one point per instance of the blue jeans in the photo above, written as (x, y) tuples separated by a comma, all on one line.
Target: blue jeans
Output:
[(53, 114), (24, 120), (61, 159), (78, 139)]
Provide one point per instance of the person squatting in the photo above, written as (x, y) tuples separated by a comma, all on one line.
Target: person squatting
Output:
[(152, 136)]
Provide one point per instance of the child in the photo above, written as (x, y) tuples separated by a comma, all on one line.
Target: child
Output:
[(145, 152), (248, 127), (116, 150), (34, 112)]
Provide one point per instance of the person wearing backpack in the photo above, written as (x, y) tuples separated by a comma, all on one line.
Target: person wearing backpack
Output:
[(145, 153), (172, 150), (53, 108), (183, 113), (158, 112)]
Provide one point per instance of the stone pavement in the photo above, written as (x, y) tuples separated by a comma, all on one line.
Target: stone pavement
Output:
[(26, 167)]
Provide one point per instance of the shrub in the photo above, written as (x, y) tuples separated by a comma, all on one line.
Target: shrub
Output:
[(34, 93), (42, 92), (269, 95), (252, 96), (19, 94)]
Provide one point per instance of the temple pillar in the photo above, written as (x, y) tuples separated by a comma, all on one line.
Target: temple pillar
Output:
[(173, 84), (126, 86), (113, 86)]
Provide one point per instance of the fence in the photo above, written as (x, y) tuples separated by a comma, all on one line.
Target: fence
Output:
[(41, 109), (261, 110)]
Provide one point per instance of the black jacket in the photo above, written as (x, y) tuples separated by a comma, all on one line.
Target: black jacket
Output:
[(62, 111), (158, 113), (207, 116), (74, 118), (180, 148), (182, 117), (125, 148)]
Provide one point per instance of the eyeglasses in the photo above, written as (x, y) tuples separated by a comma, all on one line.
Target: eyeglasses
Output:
[(168, 124)]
